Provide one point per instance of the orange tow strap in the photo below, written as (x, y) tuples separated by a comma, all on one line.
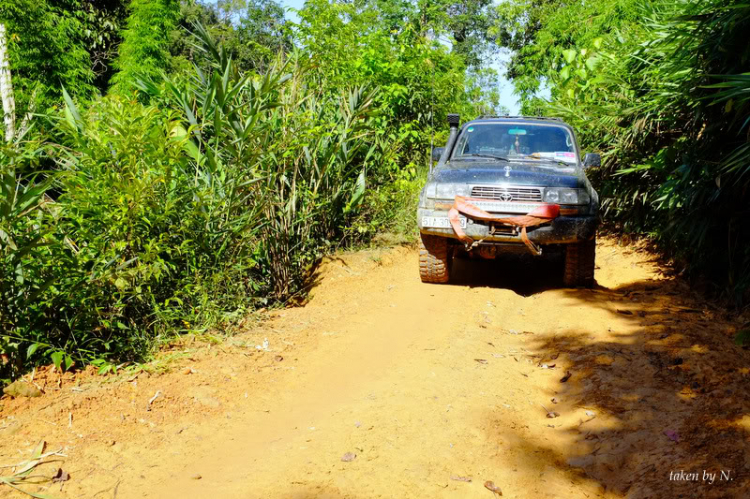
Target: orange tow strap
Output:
[(542, 214)]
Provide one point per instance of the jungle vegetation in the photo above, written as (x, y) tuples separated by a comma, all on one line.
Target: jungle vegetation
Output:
[(662, 89), (171, 165)]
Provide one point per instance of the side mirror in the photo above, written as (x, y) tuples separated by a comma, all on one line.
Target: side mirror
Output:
[(592, 159), (437, 152)]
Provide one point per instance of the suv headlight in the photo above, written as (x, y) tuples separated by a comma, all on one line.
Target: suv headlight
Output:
[(559, 195), (450, 191), (426, 202)]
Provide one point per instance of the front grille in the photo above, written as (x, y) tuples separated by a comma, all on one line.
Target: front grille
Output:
[(527, 194)]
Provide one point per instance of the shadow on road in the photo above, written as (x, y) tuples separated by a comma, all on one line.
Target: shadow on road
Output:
[(523, 274), (671, 396)]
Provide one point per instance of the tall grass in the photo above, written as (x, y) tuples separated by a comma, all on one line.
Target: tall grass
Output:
[(182, 214), (667, 104)]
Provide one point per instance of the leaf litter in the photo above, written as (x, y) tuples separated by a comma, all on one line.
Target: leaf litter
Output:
[(21, 475)]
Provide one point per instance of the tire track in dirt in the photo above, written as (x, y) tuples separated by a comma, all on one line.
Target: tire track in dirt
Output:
[(430, 386)]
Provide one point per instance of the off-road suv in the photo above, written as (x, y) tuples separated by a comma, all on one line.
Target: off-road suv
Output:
[(508, 184)]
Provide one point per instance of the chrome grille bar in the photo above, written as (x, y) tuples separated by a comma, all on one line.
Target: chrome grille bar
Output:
[(524, 194)]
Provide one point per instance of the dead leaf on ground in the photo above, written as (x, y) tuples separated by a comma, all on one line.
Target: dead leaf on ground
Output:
[(481, 361), (490, 485), (461, 478), (673, 435), (689, 310), (348, 457), (61, 476), (152, 399)]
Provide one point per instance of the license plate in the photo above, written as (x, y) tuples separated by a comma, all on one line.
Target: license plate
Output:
[(441, 222)]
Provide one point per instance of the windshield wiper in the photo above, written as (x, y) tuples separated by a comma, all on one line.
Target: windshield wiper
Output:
[(490, 156), (549, 160)]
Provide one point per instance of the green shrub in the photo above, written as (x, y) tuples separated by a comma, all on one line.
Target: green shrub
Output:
[(24, 238), (181, 214), (132, 250), (660, 88), (203, 195), (144, 50)]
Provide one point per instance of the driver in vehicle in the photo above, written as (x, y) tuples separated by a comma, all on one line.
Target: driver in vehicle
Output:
[(509, 141)]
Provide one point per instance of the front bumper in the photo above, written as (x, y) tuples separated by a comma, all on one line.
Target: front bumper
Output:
[(561, 230)]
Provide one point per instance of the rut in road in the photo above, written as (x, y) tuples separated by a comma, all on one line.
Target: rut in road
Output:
[(429, 391)]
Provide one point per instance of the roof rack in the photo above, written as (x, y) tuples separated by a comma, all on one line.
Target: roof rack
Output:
[(491, 116)]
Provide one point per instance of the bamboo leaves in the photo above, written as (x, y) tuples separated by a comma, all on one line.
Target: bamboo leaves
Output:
[(663, 90)]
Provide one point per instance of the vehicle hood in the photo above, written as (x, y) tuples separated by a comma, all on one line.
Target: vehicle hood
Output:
[(518, 173)]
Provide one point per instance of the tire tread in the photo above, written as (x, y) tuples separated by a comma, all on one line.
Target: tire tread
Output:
[(434, 259), (580, 260)]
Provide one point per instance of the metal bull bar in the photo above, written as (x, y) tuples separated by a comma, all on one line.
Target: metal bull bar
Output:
[(540, 215)]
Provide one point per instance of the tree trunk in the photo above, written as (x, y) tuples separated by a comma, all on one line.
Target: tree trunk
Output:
[(6, 88)]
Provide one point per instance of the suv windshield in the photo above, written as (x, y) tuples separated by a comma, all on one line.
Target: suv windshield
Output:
[(517, 141)]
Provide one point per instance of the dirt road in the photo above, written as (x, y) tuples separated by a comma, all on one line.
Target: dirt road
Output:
[(382, 386)]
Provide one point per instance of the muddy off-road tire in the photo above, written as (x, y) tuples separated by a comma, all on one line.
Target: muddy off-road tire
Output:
[(434, 259), (579, 264)]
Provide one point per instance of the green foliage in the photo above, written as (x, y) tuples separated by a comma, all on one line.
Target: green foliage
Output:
[(387, 211), (144, 51), (470, 24), (660, 88), (467, 24), (253, 33), (220, 169), (540, 34), (23, 273), (294, 159), (181, 215), (103, 22), (46, 51), (105, 270), (742, 338), (420, 80)]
